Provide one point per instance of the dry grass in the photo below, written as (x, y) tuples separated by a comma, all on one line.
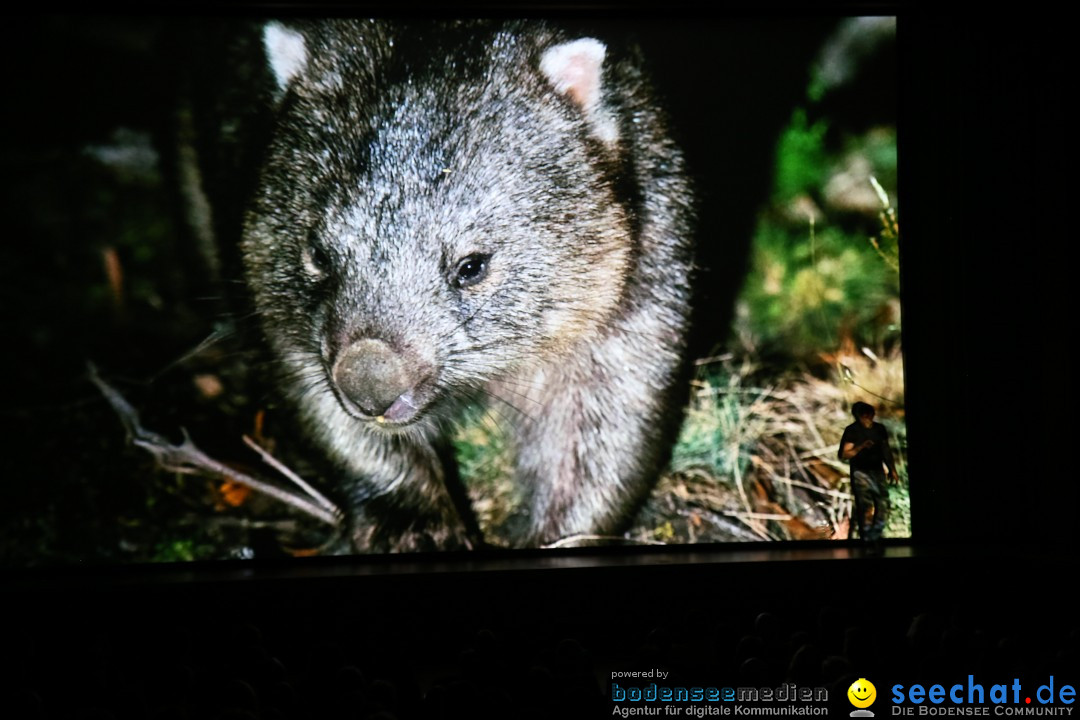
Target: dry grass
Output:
[(757, 457)]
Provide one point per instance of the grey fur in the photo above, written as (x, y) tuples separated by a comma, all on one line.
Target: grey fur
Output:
[(399, 153)]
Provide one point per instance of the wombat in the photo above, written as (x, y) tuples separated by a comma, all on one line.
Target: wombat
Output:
[(450, 213)]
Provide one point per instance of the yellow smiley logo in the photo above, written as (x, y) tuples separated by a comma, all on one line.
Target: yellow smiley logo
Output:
[(862, 693)]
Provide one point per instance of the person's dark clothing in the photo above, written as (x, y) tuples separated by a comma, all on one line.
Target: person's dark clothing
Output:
[(872, 458), (871, 493), (868, 485)]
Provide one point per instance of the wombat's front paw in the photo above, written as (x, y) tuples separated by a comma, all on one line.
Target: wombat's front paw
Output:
[(371, 538)]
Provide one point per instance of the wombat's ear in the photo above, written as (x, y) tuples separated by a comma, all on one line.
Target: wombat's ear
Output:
[(575, 69), (286, 50)]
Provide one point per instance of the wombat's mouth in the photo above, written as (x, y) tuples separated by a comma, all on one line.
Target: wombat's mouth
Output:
[(403, 411)]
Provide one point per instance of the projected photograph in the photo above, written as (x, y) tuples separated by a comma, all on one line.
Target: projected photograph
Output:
[(295, 287)]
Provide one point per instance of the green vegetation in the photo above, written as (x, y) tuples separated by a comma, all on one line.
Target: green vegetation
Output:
[(825, 264), (483, 454), (808, 287), (800, 157)]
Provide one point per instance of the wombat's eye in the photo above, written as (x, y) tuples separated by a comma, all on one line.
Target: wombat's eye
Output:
[(316, 261), (471, 270)]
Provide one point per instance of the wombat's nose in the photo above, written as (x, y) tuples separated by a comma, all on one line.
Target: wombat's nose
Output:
[(371, 374)]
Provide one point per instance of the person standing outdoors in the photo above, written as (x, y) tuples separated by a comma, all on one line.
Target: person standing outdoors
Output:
[(865, 445)]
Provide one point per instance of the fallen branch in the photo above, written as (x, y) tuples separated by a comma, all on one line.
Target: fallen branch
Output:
[(188, 459)]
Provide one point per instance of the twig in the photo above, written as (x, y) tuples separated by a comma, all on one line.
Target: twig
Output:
[(824, 456), (815, 488), (188, 459), (758, 516), (714, 359), (286, 525), (273, 462), (822, 452), (215, 336), (798, 460), (739, 531), (807, 421), (564, 541)]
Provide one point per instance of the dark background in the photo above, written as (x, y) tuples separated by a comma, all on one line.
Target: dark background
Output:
[(984, 173), (985, 152)]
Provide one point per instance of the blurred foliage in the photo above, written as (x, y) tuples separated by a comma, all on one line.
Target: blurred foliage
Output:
[(177, 550), (879, 147), (483, 453), (479, 439), (825, 258), (800, 157), (806, 288)]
